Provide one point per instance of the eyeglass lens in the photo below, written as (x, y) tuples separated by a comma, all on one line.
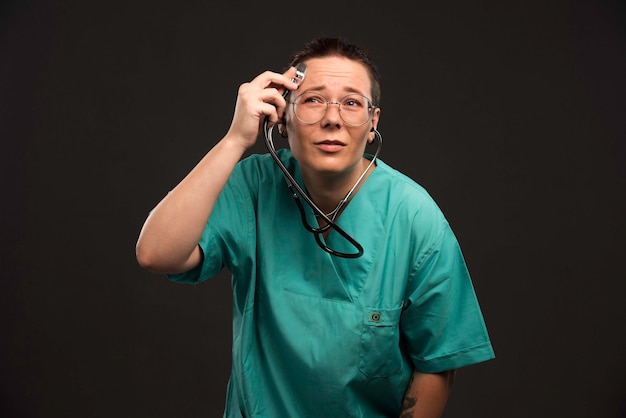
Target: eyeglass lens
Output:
[(311, 107)]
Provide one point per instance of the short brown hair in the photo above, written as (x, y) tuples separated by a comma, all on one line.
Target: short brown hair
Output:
[(325, 46)]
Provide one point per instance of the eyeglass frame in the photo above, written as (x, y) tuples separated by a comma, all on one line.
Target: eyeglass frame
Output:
[(371, 107)]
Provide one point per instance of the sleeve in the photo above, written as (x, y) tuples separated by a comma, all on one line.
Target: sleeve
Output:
[(442, 320), (227, 232)]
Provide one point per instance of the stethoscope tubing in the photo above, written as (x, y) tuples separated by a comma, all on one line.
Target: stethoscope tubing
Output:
[(297, 192)]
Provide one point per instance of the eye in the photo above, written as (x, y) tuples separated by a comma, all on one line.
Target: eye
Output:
[(353, 101), (312, 99)]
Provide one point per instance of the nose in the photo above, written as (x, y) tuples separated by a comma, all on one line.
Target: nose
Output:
[(333, 113)]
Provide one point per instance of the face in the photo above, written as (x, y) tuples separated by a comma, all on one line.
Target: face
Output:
[(330, 147)]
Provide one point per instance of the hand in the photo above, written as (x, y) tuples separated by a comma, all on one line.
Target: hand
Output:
[(256, 100)]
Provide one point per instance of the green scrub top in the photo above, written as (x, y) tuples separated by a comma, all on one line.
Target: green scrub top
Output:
[(319, 335)]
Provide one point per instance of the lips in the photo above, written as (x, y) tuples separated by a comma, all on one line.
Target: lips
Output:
[(330, 146), (331, 142)]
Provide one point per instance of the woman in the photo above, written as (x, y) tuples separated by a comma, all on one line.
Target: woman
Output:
[(370, 315)]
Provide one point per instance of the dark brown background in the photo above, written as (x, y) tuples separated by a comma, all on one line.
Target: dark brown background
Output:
[(510, 113)]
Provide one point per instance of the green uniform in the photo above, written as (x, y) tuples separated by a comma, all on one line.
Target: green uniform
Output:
[(316, 335)]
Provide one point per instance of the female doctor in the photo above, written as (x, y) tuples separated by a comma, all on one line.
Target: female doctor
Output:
[(356, 305)]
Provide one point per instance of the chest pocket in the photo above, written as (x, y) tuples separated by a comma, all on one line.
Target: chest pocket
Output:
[(379, 354)]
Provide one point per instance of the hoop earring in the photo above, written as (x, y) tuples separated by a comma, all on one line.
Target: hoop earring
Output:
[(378, 136)]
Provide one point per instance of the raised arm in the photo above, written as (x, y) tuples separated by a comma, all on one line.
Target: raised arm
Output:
[(168, 241)]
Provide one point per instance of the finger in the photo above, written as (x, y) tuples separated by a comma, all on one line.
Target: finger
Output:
[(292, 85), (283, 83)]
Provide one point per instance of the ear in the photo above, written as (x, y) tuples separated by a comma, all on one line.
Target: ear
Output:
[(282, 130), (370, 136), (374, 122)]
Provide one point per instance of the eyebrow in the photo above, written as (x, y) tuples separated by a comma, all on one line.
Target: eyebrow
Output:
[(320, 88)]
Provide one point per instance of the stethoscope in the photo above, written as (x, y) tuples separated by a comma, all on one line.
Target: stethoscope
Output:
[(297, 192)]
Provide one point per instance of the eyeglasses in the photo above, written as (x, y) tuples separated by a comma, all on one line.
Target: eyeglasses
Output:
[(354, 109)]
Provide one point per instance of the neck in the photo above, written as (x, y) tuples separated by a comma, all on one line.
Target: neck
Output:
[(328, 192)]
